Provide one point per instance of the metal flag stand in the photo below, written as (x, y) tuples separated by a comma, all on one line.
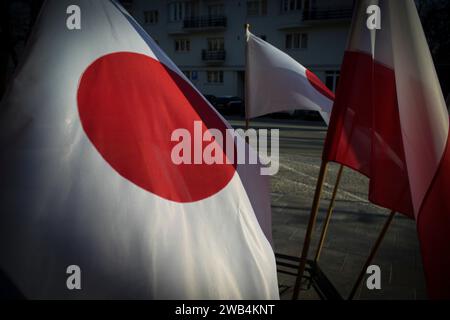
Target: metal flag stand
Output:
[(317, 277)]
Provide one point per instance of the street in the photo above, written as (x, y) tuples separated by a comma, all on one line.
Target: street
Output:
[(354, 226)]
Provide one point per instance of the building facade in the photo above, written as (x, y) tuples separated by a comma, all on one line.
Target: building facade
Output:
[(206, 38)]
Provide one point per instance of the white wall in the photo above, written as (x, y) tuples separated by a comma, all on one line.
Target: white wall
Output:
[(326, 39)]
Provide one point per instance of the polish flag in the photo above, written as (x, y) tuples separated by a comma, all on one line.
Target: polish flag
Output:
[(390, 123), (87, 177), (276, 82)]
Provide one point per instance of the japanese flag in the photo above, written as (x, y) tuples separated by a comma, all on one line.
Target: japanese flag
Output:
[(88, 180)]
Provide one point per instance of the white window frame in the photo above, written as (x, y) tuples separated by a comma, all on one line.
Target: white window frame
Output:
[(296, 41), (182, 45), (289, 6), (151, 16), (214, 76), (334, 75), (216, 9), (259, 10), (216, 44), (179, 10)]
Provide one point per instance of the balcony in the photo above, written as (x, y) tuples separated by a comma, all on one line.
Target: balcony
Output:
[(213, 56), (205, 22), (328, 14)]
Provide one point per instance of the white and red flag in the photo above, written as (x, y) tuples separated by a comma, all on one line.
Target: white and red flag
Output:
[(390, 122), (276, 82), (87, 177)]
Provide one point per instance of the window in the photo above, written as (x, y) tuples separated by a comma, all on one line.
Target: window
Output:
[(215, 10), (252, 8), (179, 10), (304, 41), (288, 43), (182, 45), (332, 79), (214, 76), (192, 75), (263, 37), (296, 41), (256, 7), (216, 44), (151, 17), (291, 5)]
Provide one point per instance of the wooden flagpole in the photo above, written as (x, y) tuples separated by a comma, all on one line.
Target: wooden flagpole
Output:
[(328, 216), (246, 101), (371, 255), (310, 229)]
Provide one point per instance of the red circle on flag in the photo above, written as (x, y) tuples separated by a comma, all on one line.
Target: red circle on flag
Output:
[(318, 85), (129, 106)]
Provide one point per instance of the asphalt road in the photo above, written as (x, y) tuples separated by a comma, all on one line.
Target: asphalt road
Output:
[(354, 226)]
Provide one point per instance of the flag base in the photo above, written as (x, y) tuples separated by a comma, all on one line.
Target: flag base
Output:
[(314, 276)]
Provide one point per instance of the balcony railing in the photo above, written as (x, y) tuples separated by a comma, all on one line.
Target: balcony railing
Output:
[(328, 14), (208, 55), (205, 22)]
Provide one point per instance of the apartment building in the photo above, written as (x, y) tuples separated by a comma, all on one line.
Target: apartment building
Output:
[(206, 38)]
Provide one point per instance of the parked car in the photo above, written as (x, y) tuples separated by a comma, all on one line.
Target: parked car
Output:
[(286, 113), (211, 99), (308, 115), (230, 105), (299, 113)]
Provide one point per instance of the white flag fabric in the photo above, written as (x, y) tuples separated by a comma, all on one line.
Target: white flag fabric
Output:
[(276, 82), (85, 136)]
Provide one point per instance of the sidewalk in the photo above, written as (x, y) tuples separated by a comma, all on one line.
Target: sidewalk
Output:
[(354, 226)]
